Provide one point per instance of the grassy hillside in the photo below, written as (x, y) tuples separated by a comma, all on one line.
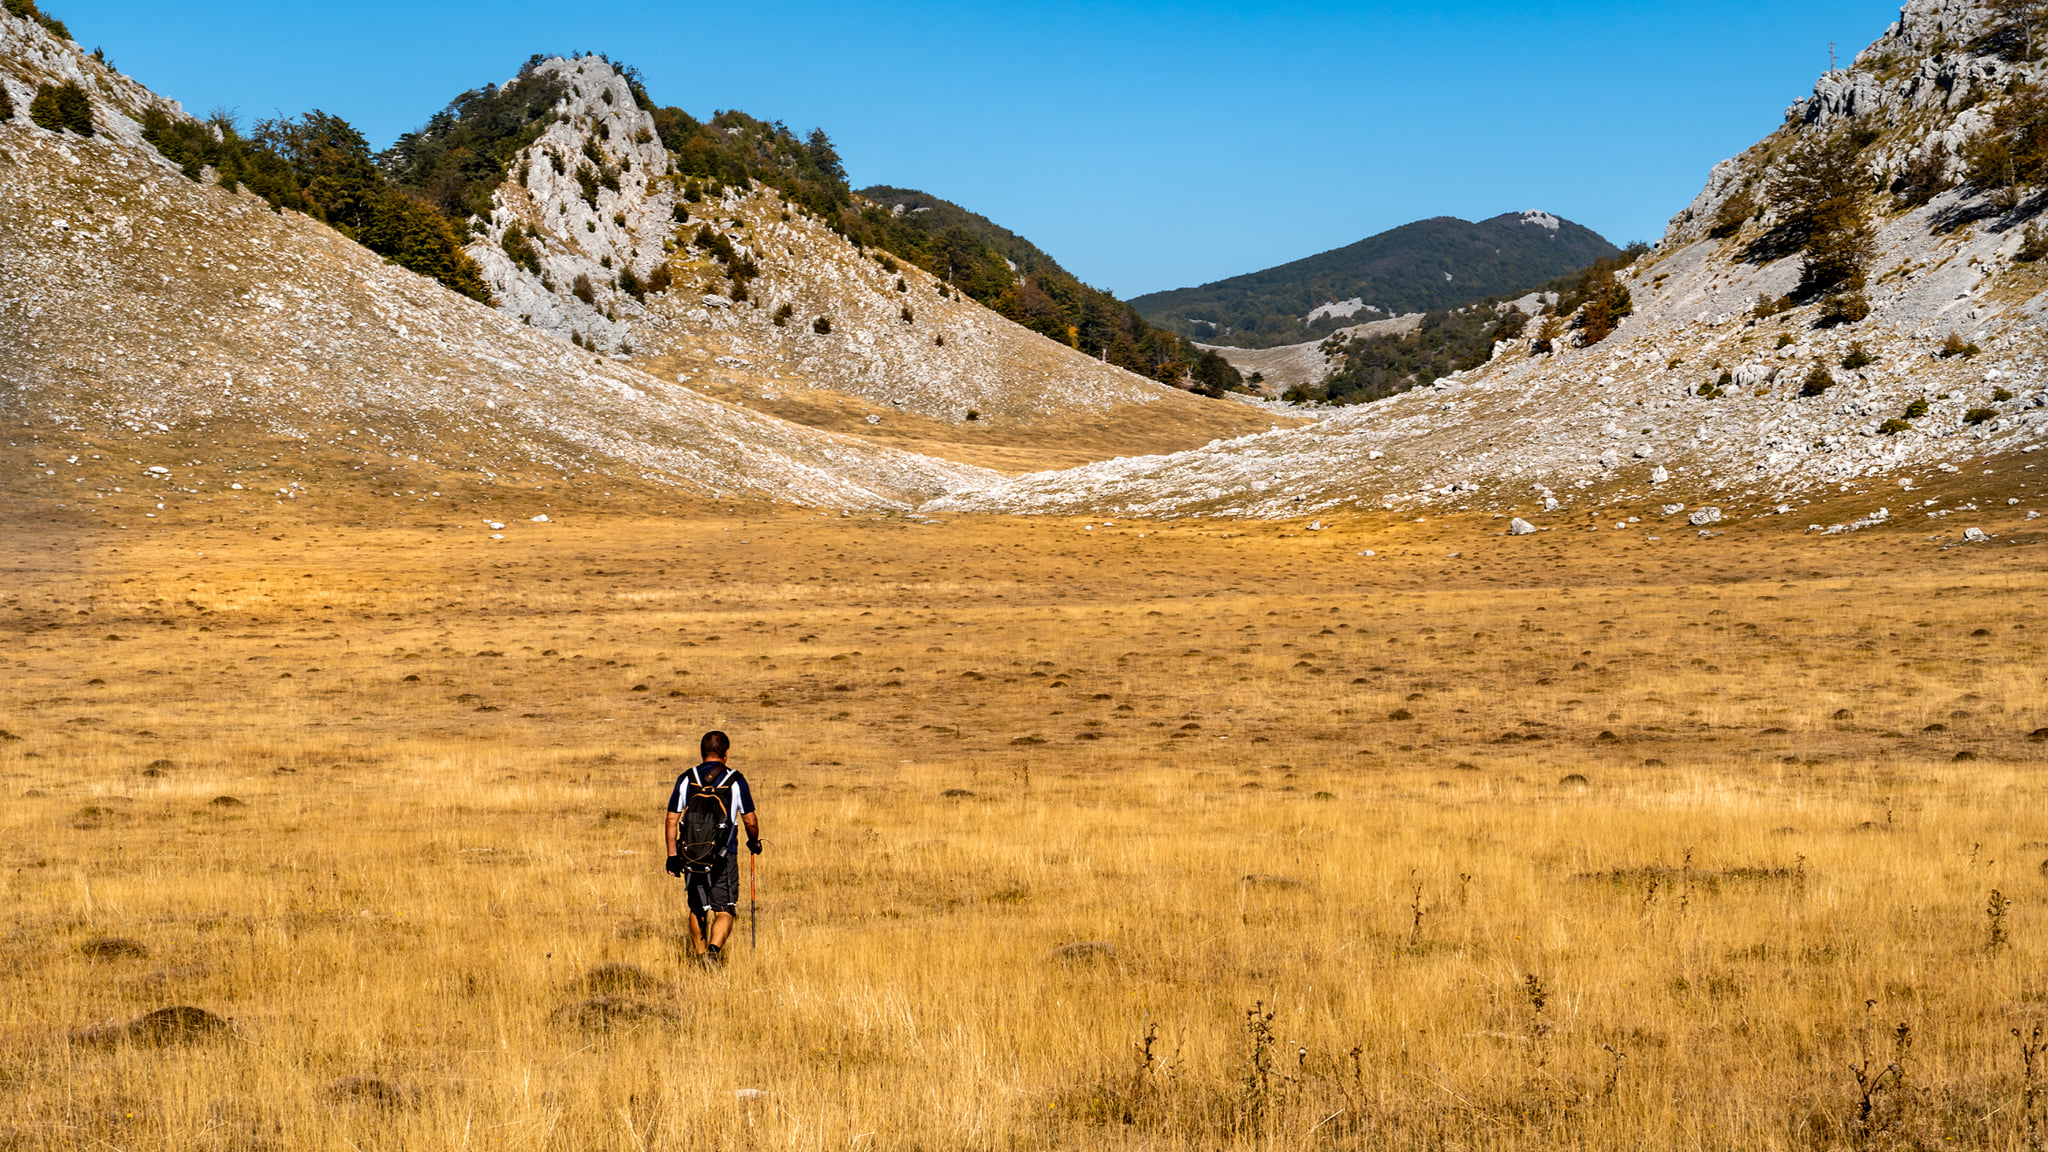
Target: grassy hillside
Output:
[(1437, 264)]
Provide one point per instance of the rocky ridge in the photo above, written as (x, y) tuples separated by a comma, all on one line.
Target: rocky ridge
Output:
[(1694, 400), (897, 336)]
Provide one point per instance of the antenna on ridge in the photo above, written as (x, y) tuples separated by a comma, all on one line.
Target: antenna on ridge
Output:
[(1831, 55)]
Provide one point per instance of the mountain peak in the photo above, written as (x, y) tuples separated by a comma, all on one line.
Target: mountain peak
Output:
[(1433, 264)]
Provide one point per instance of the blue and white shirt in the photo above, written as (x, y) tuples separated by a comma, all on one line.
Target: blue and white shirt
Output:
[(739, 798)]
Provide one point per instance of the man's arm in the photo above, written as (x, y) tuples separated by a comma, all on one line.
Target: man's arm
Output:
[(753, 824), (670, 825)]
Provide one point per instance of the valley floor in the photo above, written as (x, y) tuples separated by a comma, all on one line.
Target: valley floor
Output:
[(1200, 835)]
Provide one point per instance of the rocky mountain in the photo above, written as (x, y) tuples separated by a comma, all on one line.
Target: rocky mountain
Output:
[(145, 311), (1431, 264), (594, 237), (1850, 310)]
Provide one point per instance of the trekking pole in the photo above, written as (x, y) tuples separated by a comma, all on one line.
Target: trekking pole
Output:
[(753, 903)]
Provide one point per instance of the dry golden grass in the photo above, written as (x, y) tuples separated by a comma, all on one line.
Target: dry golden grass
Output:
[(1305, 814)]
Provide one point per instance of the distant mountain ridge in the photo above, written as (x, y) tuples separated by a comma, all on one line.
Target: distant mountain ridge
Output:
[(1430, 264)]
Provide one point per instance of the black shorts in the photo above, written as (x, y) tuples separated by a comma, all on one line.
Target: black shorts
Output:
[(717, 890)]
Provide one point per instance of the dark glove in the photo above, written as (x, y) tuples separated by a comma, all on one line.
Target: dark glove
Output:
[(675, 865), (754, 845)]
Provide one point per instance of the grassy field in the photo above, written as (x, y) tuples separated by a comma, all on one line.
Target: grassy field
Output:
[(1080, 836)]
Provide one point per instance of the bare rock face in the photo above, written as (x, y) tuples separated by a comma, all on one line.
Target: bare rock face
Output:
[(624, 223)]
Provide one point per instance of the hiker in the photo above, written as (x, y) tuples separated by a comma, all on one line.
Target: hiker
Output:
[(705, 811)]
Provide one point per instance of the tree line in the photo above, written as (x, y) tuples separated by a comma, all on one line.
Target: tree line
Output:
[(319, 165)]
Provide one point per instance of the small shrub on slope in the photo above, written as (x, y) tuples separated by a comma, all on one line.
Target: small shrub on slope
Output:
[(716, 244), (521, 250), (62, 108), (1843, 308), (1926, 176), (2033, 244), (1735, 211), (1817, 382), (6, 105)]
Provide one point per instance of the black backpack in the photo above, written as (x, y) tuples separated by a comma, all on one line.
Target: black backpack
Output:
[(706, 825)]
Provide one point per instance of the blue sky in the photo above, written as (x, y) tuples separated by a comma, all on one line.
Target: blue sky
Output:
[(1145, 145)]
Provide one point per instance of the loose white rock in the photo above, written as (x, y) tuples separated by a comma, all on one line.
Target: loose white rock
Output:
[(1704, 517), (1520, 527)]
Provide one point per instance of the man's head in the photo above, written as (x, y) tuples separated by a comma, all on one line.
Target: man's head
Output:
[(714, 746)]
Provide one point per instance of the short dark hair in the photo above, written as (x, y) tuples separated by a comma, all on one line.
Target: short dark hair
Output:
[(714, 744)]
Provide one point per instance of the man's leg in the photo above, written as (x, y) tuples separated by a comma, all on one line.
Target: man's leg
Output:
[(723, 899), (699, 902)]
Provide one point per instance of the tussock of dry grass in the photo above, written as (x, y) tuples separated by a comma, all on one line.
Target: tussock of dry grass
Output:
[(1173, 841)]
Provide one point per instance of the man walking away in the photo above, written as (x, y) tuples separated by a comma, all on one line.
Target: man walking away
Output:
[(702, 831)]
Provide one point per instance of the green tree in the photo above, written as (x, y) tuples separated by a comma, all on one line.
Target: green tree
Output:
[(2013, 151), (1820, 192), (458, 159), (1214, 376), (825, 158), (1839, 252), (1821, 177)]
